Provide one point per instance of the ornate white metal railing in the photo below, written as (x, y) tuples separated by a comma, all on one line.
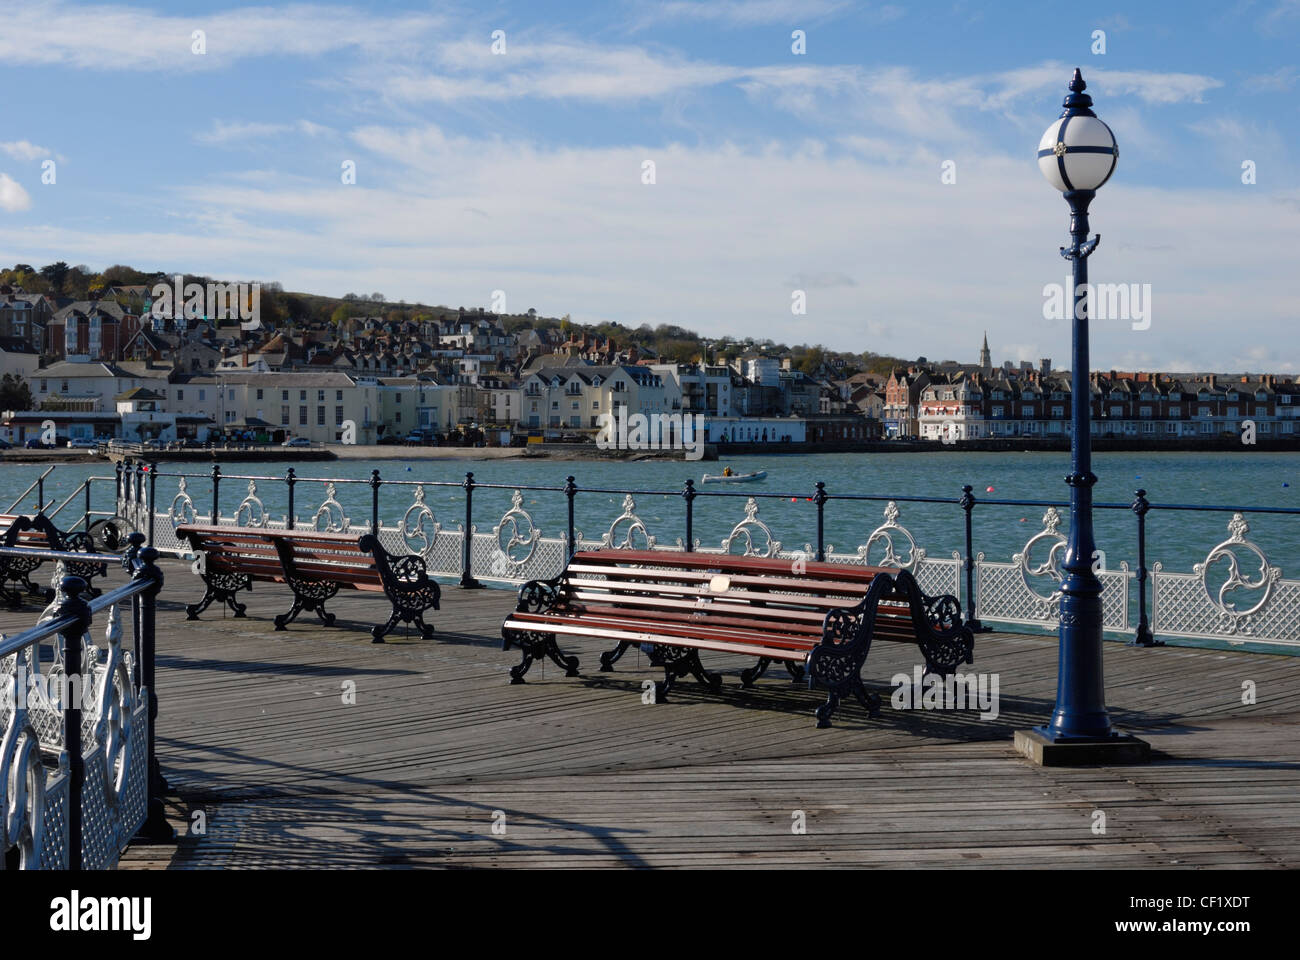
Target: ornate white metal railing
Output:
[(1222, 599), (105, 703), (1210, 602), (1028, 592)]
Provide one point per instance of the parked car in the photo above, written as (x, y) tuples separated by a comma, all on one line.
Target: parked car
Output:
[(296, 442), (5, 444), (36, 443), (82, 443), (389, 441)]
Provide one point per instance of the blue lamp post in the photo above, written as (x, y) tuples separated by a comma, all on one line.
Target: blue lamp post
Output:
[(1077, 155)]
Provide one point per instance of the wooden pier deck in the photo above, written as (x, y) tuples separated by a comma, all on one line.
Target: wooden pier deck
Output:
[(438, 748)]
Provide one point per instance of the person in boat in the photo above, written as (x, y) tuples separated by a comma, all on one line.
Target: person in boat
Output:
[(726, 471)]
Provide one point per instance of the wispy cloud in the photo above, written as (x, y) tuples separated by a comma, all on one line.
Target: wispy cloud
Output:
[(24, 150), (748, 13), (1279, 81), (125, 38), (224, 133)]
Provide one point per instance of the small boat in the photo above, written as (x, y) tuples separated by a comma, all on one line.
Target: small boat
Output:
[(735, 477)]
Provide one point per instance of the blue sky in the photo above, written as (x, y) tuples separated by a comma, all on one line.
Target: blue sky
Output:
[(774, 171)]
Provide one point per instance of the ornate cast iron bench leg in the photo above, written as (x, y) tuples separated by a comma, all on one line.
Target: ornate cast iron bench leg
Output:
[(750, 674), (537, 596), (678, 662), (308, 595), (611, 657), (534, 646), (221, 587)]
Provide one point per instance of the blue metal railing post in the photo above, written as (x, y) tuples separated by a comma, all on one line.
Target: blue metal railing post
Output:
[(467, 580), (144, 604), (290, 479), (570, 491), (216, 494), (73, 607), (820, 499), (689, 494), (1144, 637), (152, 470), (967, 502), (374, 501)]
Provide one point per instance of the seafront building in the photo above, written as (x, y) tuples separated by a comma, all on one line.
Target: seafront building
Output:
[(373, 379)]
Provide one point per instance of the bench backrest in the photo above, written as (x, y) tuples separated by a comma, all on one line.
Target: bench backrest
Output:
[(268, 554)]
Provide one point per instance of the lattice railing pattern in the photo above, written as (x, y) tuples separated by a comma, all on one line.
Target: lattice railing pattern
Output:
[(115, 738)]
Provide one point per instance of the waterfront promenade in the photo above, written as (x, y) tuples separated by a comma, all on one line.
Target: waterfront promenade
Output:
[(438, 748)]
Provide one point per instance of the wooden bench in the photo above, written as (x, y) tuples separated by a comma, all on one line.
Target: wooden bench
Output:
[(315, 566), (39, 532), (816, 617)]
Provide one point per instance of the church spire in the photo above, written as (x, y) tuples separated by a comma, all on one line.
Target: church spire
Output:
[(986, 361)]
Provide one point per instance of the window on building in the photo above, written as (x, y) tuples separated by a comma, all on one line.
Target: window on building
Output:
[(320, 396), (259, 393), (180, 394), (302, 394), (203, 395), (320, 416), (284, 394), (302, 416), (284, 416), (338, 416)]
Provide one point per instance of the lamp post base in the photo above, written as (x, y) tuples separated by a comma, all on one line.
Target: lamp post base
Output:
[(1039, 747)]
